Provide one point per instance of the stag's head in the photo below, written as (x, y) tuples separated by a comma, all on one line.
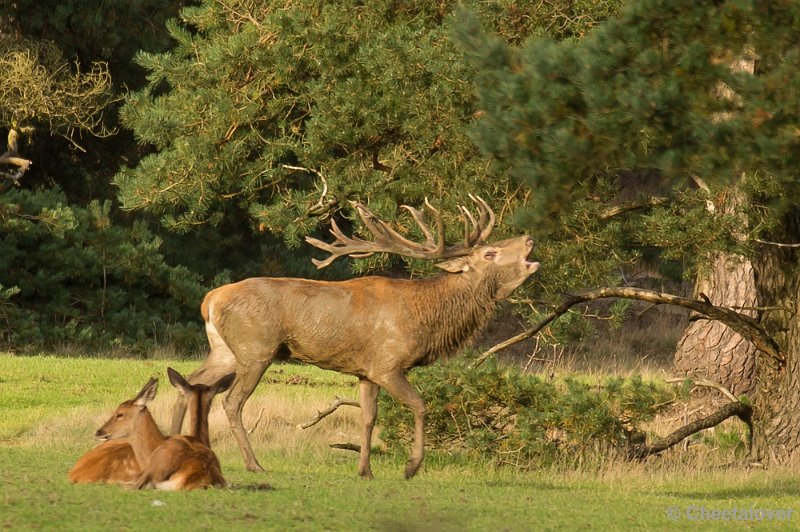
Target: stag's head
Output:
[(123, 420), (506, 262)]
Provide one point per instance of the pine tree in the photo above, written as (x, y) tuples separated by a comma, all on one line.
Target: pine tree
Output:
[(281, 115), (639, 97)]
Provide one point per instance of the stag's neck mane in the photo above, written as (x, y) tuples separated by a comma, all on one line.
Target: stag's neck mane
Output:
[(453, 311)]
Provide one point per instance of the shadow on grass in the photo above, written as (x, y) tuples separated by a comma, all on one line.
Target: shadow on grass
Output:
[(260, 486), (790, 488)]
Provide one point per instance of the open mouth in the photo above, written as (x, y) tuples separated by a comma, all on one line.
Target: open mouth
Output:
[(530, 265)]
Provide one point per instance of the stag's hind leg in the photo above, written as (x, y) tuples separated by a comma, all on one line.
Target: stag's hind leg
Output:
[(247, 378), (368, 394), (397, 385)]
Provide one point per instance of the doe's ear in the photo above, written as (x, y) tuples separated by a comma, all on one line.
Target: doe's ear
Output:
[(147, 394), (457, 265), (177, 380)]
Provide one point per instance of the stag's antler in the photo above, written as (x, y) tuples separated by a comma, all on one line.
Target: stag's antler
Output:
[(387, 240)]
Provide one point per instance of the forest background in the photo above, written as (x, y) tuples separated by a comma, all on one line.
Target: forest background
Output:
[(157, 149)]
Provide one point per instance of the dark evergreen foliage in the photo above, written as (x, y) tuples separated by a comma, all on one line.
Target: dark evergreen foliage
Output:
[(510, 417), (612, 133), (71, 278)]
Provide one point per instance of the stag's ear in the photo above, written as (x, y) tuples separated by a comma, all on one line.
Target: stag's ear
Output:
[(457, 265)]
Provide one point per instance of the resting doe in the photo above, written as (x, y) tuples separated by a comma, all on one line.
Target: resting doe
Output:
[(168, 463)]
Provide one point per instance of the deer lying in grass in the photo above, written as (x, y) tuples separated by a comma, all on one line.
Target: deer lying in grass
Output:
[(111, 462), (174, 463), (375, 328)]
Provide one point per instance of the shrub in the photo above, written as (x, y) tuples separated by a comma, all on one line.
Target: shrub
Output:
[(508, 416), (70, 276)]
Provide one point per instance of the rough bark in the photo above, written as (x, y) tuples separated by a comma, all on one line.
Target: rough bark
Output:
[(776, 401), (710, 349)]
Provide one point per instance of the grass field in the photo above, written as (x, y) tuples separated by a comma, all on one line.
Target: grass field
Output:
[(50, 408)]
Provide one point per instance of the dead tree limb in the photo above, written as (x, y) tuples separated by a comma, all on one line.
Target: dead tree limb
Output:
[(11, 157), (338, 401), (346, 446), (738, 409), (708, 384), (746, 326)]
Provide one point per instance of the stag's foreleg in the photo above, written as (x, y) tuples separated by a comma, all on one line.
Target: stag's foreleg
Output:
[(247, 378), (368, 395), (397, 385)]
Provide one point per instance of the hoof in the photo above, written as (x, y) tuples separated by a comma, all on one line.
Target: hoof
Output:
[(411, 469)]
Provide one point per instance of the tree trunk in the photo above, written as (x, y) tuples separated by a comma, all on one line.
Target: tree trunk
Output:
[(708, 348), (776, 401)]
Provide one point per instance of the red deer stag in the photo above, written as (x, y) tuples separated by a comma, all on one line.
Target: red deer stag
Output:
[(174, 463), (375, 328)]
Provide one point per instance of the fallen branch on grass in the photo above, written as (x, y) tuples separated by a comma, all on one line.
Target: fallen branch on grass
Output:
[(738, 409), (338, 401), (346, 446), (735, 408)]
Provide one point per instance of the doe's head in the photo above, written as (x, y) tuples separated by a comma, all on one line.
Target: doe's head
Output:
[(122, 422)]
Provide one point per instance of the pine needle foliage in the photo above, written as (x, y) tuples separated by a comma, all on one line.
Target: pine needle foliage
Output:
[(515, 418), (625, 140), (286, 112), (73, 277)]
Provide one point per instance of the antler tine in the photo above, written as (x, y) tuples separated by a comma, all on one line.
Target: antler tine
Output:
[(469, 236), (439, 227), (386, 239), (344, 245), (417, 215), (487, 218)]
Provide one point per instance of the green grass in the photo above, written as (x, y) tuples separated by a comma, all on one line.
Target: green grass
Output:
[(49, 408)]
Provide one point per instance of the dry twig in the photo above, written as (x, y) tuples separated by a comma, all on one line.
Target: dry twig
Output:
[(337, 402)]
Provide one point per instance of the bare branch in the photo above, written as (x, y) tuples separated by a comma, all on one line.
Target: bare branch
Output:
[(629, 206), (738, 409), (346, 446), (741, 323), (338, 401), (778, 244), (11, 157), (706, 383), (321, 206), (255, 425)]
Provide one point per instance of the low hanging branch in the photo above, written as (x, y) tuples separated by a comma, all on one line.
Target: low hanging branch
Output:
[(738, 409), (741, 323)]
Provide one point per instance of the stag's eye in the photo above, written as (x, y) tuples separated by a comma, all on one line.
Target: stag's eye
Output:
[(490, 255), (119, 416)]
